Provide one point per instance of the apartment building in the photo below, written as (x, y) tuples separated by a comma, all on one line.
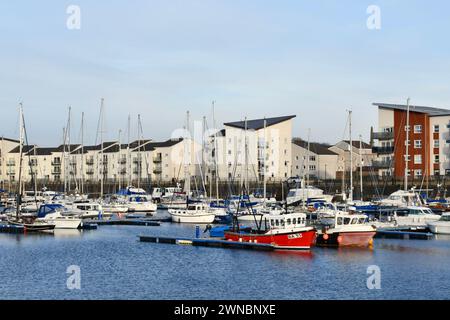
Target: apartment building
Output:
[(428, 135), (313, 158), (248, 149), (362, 155), (141, 160)]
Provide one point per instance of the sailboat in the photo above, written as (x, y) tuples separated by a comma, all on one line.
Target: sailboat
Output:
[(28, 223), (197, 212)]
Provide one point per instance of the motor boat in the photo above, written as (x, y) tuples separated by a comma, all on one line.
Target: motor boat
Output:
[(341, 228), (402, 198), (60, 216), (140, 203), (442, 226), (193, 213), (283, 231)]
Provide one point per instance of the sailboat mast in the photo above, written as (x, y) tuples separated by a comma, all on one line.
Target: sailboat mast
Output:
[(307, 164), (407, 145), (246, 157), (187, 173), (216, 152), (68, 147), (102, 166), (351, 154), (82, 154), (128, 151), (361, 162), (264, 160), (139, 152), (19, 190), (119, 166)]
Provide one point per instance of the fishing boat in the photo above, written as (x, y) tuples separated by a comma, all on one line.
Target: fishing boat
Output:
[(340, 228), (283, 231), (442, 226)]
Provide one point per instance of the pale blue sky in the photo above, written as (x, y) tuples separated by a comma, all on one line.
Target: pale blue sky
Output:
[(256, 58)]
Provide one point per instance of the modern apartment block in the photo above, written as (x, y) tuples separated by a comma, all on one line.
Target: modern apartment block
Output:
[(246, 150), (142, 160), (428, 136)]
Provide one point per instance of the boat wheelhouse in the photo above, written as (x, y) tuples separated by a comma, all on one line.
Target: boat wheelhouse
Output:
[(283, 231), (193, 213), (344, 229)]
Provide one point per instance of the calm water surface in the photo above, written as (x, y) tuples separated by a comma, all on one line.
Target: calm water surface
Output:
[(115, 265)]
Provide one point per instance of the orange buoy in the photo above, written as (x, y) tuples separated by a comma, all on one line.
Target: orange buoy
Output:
[(339, 239)]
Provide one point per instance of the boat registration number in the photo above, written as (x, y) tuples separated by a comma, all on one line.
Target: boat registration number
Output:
[(295, 236)]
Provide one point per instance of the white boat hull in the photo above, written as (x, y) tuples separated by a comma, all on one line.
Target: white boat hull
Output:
[(65, 223), (439, 227), (142, 207), (203, 218)]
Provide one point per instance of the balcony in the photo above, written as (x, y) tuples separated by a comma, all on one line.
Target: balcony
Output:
[(157, 170), (382, 164), (157, 159), (383, 150), (56, 163), (122, 161), (90, 172), (136, 160), (11, 164), (90, 162), (382, 135), (56, 171)]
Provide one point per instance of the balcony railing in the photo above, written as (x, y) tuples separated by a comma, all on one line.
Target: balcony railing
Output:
[(90, 162), (382, 135), (383, 150), (157, 170), (157, 159), (382, 164), (56, 163), (10, 164), (122, 161), (90, 172)]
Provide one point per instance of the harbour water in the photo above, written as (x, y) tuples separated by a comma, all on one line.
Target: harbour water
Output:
[(115, 265)]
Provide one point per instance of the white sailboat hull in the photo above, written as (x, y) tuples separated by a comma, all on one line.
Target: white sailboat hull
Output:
[(65, 223), (142, 207), (439, 227)]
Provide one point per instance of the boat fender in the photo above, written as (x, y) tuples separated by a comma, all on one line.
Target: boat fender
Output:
[(339, 239)]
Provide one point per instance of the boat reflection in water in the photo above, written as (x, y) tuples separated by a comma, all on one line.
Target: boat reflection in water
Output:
[(67, 233)]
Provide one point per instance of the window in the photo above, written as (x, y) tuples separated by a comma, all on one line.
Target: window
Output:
[(407, 142), (417, 144), (418, 159), (436, 158), (436, 143), (418, 172), (436, 128), (407, 157), (312, 158), (408, 172), (418, 128), (312, 168), (407, 128), (437, 172)]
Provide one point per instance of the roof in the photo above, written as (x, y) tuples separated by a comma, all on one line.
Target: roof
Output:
[(164, 144), (25, 149), (218, 133), (358, 144), (258, 123), (67, 147), (10, 140), (315, 147), (44, 151), (431, 111)]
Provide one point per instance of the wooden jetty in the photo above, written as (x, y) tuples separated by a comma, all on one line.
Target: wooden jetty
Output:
[(208, 243)]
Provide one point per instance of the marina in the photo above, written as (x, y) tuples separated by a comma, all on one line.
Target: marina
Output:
[(115, 263)]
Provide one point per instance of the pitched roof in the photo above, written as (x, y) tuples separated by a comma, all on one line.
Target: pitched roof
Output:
[(43, 151), (25, 149), (357, 144), (315, 147), (10, 140), (258, 123), (431, 111)]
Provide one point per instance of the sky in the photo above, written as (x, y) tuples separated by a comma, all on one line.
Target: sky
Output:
[(255, 58)]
